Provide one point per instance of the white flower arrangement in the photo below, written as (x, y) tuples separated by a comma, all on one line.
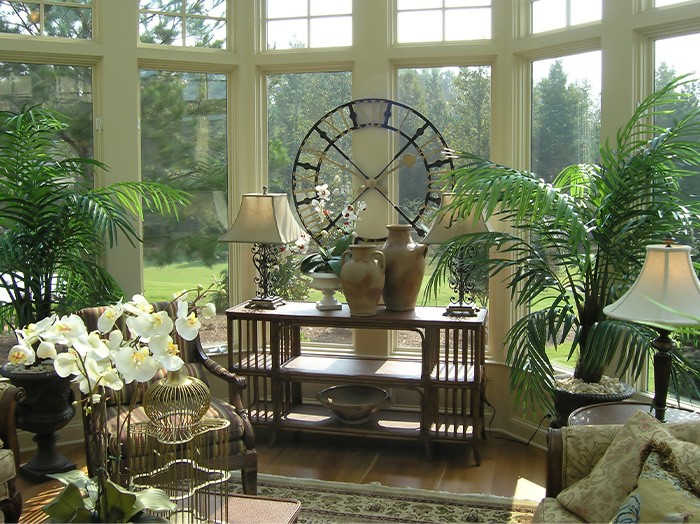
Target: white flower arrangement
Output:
[(104, 357)]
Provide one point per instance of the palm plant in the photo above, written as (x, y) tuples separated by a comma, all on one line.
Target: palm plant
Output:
[(575, 245), (54, 224)]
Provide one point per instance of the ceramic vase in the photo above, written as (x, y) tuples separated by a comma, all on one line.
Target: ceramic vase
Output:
[(362, 279), (328, 284), (405, 267)]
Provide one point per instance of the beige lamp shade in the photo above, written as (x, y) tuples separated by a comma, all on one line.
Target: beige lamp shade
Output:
[(667, 291), (449, 225), (264, 218)]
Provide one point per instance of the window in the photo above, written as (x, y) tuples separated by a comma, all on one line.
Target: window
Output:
[(295, 102), (68, 19), (671, 59), (443, 20), (565, 112), (565, 126), (457, 100), (190, 23), (308, 23), (184, 145), (548, 15), (67, 89)]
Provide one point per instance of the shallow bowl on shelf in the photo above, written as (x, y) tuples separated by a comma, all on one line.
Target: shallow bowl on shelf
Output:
[(353, 404)]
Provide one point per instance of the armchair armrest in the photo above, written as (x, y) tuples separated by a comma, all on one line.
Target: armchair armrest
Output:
[(555, 450), (9, 397)]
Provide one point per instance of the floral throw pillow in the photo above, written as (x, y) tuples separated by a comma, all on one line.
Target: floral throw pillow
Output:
[(598, 497)]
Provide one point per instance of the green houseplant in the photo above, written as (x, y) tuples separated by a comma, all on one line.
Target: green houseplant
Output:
[(575, 245), (55, 223)]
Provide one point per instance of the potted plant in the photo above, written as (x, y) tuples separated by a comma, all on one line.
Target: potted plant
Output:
[(575, 245), (322, 265), (54, 225)]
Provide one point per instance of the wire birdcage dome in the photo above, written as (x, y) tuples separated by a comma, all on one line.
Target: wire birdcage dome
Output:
[(176, 405)]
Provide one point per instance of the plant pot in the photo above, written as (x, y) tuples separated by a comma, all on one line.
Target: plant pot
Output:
[(565, 402), (46, 408), (328, 284)]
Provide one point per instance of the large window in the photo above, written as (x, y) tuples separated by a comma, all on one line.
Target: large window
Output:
[(66, 89), (672, 58), (69, 18), (442, 20), (308, 23), (193, 23), (565, 112), (295, 101), (184, 145)]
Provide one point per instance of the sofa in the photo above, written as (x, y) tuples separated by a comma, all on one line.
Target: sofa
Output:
[(10, 498), (582, 458)]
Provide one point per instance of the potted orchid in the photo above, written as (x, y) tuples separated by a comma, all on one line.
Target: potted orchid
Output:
[(105, 359), (328, 246)]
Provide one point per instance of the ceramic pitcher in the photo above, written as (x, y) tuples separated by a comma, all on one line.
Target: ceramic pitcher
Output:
[(405, 267), (362, 278)]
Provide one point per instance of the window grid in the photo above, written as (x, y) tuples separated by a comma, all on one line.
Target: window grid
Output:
[(182, 18), (412, 15), (341, 18), (550, 15), (31, 17)]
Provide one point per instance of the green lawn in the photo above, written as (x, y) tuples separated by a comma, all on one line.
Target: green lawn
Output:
[(161, 282)]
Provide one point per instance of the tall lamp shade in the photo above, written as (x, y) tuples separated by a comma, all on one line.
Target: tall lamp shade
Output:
[(666, 295), (266, 221), (448, 225)]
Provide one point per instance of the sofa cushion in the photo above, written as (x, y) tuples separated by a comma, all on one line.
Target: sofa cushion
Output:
[(615, 475), (549, 510)]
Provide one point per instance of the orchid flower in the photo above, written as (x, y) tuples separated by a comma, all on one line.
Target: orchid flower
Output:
[(187, 325), (166, 352), (135, 363)]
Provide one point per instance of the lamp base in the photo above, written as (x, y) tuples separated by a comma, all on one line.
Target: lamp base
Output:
[(265, 303), (461, 310)]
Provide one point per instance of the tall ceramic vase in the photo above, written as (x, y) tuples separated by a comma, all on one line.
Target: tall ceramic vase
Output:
[(362, 278), (405, 267)]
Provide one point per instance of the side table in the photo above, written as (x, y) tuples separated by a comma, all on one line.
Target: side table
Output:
[(619, 412)]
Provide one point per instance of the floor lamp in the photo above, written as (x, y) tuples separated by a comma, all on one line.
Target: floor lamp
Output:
[(666, 295), (266, 221), (446, 227)]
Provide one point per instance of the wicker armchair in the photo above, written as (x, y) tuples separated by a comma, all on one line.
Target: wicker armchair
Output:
[(10, 498), (241, 440)]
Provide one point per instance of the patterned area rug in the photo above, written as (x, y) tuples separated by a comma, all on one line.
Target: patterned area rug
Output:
[(340, 502)]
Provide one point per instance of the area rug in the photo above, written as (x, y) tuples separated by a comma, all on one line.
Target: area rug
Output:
[(340, 502)]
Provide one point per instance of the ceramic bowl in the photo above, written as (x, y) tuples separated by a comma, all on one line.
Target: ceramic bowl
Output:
[(353, 404)]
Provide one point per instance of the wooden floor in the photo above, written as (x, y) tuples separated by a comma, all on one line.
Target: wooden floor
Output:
[(507, 468)]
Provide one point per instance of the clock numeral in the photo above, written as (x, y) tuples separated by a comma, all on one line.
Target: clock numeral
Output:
[(340, 128), (431, 147), (371, 113)]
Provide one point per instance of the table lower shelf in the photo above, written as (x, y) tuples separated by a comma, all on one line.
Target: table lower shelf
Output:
[(383, 424)]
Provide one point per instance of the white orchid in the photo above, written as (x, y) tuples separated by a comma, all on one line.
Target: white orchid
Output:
[(135, 363), (104, 357), (110, 315), (208, 311), (21, 353), (147, 325), (187, 324)]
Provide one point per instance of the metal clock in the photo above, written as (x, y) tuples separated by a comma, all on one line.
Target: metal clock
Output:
[(336, 151)]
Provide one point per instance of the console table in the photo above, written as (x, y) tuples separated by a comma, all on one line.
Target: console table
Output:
[(448, 375)]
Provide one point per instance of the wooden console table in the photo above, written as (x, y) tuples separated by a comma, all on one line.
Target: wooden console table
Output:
[(448, 376)]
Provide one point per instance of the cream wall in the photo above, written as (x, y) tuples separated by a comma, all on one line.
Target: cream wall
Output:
[(624, 35)]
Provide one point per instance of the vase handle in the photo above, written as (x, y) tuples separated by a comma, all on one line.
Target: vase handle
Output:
[(381, 260), (344, 256)]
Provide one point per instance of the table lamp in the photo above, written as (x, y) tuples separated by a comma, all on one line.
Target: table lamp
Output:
[(447, 226), (265, 220), (665, 295)]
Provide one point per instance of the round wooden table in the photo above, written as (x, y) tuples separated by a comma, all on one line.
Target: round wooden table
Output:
[(619, 412)]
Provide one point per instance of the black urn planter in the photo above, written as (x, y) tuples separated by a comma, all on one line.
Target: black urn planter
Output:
[(46, 408), (565, 402)]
